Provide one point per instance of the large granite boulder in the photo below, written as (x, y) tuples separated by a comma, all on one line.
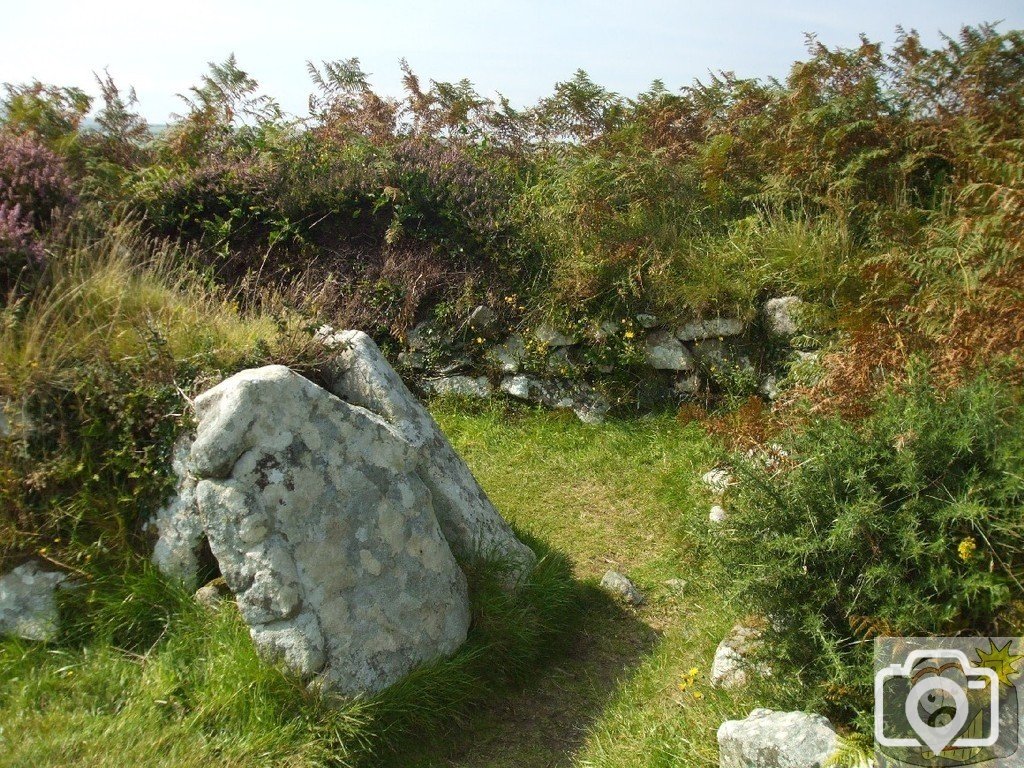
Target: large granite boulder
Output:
[(28, 604), (324, 532), (361, 375), (769, 739)]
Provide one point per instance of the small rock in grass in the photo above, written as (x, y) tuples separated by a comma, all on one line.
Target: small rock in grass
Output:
[(782, 316), (551, 336), (675, 586), (28, 605), (483, 320), (618, 585), (213, 593), (464, 386), (717, 514), (647, 321), (731, 664), (769, 739)]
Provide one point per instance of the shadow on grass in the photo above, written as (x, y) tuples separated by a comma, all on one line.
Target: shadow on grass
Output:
[(544, 718)]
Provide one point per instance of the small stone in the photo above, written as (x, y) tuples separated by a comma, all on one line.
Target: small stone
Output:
[(731, 664), (28, 604), (769, 739), (647, 321), (782, 316), (620, 586), (463, 386), (769, 387), (508, 355), (709, 329), (664, 352), (516, 386), (213, 594), (421, 337), (687, 384), (717, 514), (412, 360)]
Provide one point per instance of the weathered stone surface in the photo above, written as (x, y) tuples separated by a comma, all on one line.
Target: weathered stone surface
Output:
[(782, 316), (509, 354), (647, 321), (663, 351), (516, 386), (551, 336), (28, 605), (716, 353), (472, 526), (717, 514), (464, 386), (769, 739), (732, 662), (422, 337), (213, 594), (324, 531), (712, 328), (179, 529), (620, 586)]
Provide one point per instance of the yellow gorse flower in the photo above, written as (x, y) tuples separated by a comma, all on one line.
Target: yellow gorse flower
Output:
[(967, 548)]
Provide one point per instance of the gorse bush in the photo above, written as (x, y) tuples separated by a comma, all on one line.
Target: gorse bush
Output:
[(905, 524)]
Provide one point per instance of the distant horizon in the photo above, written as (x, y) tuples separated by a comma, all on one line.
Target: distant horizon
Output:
[(520, 50)]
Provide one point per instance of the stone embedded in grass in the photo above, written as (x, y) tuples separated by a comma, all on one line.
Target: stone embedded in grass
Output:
[(28, 604), (770, 739), (732, 658), (647, 321), (483, 320), (782, 316), (516, 386), (547, 334), (616, 584), (508, 355), (587, 403), (712, 328), (462, 386), (324, 532), (717, 514), (665, 352)]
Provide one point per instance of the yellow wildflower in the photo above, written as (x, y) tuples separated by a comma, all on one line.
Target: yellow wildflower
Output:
[(629, 334), (967, 548)]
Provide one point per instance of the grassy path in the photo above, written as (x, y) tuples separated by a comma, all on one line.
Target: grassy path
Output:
[(625, 496)]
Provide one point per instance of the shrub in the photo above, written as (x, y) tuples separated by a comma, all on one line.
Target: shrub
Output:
[(905, 524), (34, 186)]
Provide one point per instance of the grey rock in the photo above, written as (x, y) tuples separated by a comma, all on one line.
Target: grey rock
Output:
[(463, 386), (324, 532), (782, 316), (412, 360), (718, 353), (422, 337), (647, 321), (663, 351), (688, 384), (178, 526), (508, 355), (717, 514), (732, 663), (616, 584), (516, 386), (551, 336), (769, 387), (483, 320), (28, 605), (712, 328), (214, 594), (360, 375), (675, 586), (769, 739)]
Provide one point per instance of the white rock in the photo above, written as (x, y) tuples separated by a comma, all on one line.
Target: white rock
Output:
[(717, 480), (664, 352), (620, 586), (463, 386), (717, 514), (769, 739), (324, 532), (782, 316), (28, 605), (508, 355), (361, 376), (179, 529), (731, 664), (516, 386), (714, 327)]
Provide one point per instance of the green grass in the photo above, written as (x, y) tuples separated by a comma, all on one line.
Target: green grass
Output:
[(561, 675)]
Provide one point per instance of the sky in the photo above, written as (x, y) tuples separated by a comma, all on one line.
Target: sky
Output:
[(520, 49)]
